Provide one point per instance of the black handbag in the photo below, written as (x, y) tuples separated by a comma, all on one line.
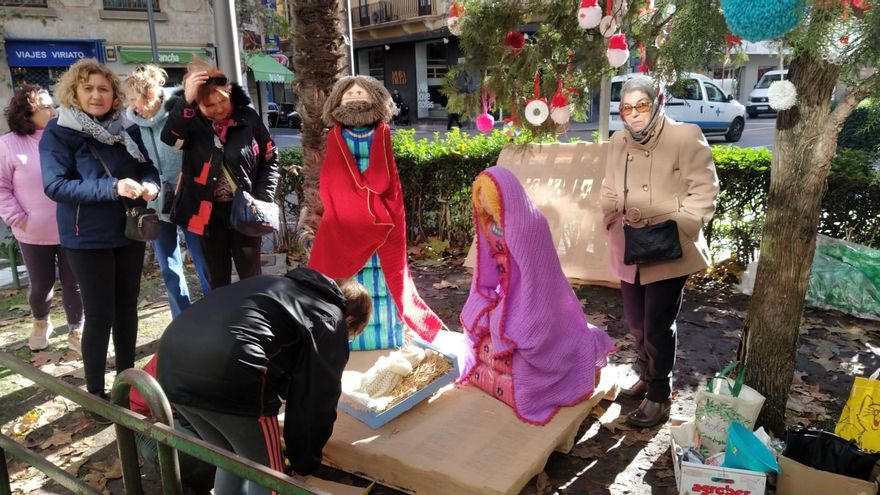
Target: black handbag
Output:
[(251, 216), (649, 244), (828, 452), (141, 223)]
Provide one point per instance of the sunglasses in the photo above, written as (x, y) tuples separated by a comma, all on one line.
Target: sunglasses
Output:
[(217, 81), (641, 107)]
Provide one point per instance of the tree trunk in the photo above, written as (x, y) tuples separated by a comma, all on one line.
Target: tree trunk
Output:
[(805, 143), (317, 37)]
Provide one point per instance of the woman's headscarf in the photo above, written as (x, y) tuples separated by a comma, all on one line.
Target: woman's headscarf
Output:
[(645, 85)]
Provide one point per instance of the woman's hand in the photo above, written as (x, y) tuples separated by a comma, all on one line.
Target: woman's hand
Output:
[(129, 188), (192, 83), (151, 191)]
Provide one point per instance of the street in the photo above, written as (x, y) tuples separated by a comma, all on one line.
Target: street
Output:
[(758, 133)]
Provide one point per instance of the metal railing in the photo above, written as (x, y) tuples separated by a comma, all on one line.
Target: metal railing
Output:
[(23, 3), (136, 5), (169, 441), (384, 11)]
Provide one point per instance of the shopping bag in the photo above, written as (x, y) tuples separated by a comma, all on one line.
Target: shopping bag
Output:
[(722, 402), (860, 419)]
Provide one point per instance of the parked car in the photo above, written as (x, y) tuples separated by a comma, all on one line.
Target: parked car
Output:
[(291, 117), (273, 114), (757, 103), (694, 99)]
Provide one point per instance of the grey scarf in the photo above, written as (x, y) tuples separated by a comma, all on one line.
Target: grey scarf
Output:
[(657, 114), (108, 131)]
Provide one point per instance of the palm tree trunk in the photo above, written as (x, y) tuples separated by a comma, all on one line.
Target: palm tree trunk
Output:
[(317, 39)]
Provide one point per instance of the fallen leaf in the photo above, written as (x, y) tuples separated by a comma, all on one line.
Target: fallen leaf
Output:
[(829, 365), (59, 437), (43, 358), (588, 450), (542, 482), (443, 284)]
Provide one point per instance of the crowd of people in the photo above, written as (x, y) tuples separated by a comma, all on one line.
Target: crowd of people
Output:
[(70, 177)]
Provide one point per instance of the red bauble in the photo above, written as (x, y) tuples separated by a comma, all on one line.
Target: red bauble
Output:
[(515, 41)]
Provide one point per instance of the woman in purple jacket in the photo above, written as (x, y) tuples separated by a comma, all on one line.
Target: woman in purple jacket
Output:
[(31, 215)]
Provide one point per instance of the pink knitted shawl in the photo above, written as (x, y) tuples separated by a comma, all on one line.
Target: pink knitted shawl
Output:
[(539, 321)]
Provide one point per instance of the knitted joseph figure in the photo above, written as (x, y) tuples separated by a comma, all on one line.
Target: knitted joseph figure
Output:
[(529, 344), (362, 232)]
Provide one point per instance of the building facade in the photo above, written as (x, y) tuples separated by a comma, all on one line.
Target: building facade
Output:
[(42, 38), (407, 45)]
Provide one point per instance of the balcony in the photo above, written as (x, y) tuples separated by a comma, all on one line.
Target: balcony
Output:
[(389, 11), (130, 5), (23, 3)]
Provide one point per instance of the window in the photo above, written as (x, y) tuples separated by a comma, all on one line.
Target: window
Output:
[(138, 5), (425, 7), (714, 94), (438, 56), (768, 79), (22, 3), (689, 89), (376, 63)]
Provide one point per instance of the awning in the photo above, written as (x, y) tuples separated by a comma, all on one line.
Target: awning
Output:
[(267, 69), (167, 56)]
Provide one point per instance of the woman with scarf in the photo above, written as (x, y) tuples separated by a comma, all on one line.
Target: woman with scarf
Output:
[(225, 146), (656, 170), (25, 207), (95, 166), (148, 107)]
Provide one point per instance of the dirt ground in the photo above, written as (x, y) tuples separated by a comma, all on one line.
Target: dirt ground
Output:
[(608, 457)]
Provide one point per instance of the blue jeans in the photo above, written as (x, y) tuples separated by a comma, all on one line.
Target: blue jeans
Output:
[(170, 259)]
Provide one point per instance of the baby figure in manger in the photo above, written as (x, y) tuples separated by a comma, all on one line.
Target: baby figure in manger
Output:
[(528, 342)]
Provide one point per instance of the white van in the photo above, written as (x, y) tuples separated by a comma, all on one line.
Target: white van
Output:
[(758, 97), (694, 99)]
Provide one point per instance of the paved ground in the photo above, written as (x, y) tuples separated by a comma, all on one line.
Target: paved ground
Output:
[(758, 133)]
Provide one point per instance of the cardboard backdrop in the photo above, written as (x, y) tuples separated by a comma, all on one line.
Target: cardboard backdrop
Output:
[(564, 180)]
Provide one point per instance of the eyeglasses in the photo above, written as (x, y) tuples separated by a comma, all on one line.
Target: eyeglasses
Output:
[(217, 81), (642, 107)]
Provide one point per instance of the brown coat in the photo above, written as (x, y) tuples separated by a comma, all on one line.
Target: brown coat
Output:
[(672, 176)]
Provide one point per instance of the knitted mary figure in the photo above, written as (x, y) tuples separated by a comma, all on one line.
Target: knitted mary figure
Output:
[(362, 232), (529, 344)]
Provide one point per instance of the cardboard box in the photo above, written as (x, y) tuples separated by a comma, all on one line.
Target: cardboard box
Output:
[(699, 479), (798, 479), (375, 420)]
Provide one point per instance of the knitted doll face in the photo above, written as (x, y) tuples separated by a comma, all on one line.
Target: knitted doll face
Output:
[(487, 201)]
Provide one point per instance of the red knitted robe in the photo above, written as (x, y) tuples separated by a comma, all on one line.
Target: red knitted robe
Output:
[(364, 214)]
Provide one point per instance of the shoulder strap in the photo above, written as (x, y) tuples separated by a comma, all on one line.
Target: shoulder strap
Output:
[(625, 187), (106, 169)]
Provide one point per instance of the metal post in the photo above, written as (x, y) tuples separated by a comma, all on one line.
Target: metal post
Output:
[(160, 409), (151, 22), (604, 108), (350, 38), (5, 489), (38, 462), (226, 32)]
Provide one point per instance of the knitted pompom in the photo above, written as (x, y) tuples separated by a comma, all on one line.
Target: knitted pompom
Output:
[(762, 20), (782, 95), (485, 122), (618, 50), (590, 14)]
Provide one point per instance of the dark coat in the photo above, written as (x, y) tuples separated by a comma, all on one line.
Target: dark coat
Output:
[(90, 213), (249, 154), (245, 347)]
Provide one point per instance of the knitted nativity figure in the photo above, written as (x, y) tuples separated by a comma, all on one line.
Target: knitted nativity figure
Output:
[(362, 232), (528, 343)]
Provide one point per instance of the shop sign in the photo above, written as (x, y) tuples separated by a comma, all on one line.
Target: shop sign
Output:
[(48, 53)]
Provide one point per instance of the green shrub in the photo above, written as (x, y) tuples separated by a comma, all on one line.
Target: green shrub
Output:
[(851, 205), (744, 175), (862, 129), (288, 195)]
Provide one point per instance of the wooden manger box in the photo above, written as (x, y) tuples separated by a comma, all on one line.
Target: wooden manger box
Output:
[(459, 441)]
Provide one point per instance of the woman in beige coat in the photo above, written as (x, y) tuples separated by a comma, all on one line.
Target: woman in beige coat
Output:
[(656, 170)]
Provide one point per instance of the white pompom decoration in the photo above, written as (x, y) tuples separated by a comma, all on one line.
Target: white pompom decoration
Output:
[(782, 95), (453, 24), (560, 115), (537, 112), (618, 50)]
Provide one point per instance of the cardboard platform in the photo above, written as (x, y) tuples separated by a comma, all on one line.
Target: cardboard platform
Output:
[(460, 441)]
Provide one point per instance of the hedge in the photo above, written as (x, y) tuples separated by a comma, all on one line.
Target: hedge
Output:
[(436, 175)]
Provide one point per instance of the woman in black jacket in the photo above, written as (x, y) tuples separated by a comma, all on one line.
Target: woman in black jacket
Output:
[(225, 146), (230, 359)]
